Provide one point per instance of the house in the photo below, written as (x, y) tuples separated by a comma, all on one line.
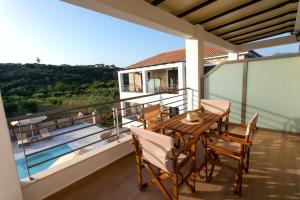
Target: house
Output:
[(159, 77), (165, 72)]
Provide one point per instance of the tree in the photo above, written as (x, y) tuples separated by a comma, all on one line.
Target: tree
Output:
[(38, 60)]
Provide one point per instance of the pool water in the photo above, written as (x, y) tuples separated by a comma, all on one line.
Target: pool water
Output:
[(21, 165)]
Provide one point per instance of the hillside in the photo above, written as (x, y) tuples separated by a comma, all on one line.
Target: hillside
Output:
[(25, 86)]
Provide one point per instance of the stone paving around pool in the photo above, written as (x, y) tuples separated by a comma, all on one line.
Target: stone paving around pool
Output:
[(42, 144)]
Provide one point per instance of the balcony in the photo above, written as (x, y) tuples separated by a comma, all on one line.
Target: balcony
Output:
[(99, 162), (133, 88), (167, 79), (100, 135), (274, 173)]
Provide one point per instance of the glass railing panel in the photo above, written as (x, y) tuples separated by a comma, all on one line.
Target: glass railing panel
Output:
[(226, 82), (273, 91)]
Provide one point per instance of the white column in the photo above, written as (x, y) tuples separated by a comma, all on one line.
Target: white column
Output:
[(194, 67), (233, 56), (181, 84), (121, 82), (145, 81), (10, 188), (181, 76)]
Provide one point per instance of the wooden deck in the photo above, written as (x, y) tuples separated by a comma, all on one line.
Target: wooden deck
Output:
[(274, 174)]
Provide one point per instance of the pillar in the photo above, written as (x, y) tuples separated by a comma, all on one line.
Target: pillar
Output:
[(194, 68), (145, 81), (182, 85), (10, 188), (121, 82)]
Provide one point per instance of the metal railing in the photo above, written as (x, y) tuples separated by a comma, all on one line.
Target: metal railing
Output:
[(109, 121), (171, 89), (132, 88)]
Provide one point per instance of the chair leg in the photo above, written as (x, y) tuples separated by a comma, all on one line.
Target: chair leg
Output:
[(158, 182), (227, 124), (194, 181), (211, 172), (239, 181), (215, 158), (139, 173), (193, 167), (247, 161), (175, 186)]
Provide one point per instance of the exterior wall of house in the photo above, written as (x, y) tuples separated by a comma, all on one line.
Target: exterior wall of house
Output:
[(162, 75), (135, 81), (155, 71), (135, 77), (58, 177)]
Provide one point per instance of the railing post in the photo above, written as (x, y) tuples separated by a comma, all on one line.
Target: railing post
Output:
[(244, 93), (24, 151), (117, 123), (114, 116), (94, 117), (161, 103)]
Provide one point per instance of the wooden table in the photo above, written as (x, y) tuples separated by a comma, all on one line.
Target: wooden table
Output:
[(192, 129)]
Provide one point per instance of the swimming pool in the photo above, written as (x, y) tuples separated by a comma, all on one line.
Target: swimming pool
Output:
[(21, 165)]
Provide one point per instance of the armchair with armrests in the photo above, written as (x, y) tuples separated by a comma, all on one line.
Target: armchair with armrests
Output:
[(151, 116), (156, 151), (231, 146)]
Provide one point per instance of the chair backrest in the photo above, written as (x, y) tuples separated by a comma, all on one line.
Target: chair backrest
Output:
[(155, 147), (216, 106), (251, 127), (151, 113)]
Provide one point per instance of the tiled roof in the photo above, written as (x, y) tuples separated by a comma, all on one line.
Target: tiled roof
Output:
[(174, 56)]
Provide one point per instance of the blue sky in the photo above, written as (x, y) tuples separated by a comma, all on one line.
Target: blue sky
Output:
[(60, 33)]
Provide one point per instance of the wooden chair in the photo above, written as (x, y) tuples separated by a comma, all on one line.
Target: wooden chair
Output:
[(218, 107), (151, 116), (155, 150), (234, 147)]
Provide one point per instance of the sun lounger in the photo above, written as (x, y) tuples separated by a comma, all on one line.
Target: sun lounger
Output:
[(24, 138), (44, 133), (106, 134)]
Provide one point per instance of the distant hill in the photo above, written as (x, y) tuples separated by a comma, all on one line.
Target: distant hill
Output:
[(27, 79)]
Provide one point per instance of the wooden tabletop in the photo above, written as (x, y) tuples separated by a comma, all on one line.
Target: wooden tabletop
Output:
[(176, 123)]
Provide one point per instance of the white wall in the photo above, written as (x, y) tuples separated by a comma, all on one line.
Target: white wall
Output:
[(9, 182), (58, 177)]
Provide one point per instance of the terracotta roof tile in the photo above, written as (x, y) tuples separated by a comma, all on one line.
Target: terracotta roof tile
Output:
[(174, 56)]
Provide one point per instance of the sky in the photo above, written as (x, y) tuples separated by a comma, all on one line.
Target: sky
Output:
[(61, 33)]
